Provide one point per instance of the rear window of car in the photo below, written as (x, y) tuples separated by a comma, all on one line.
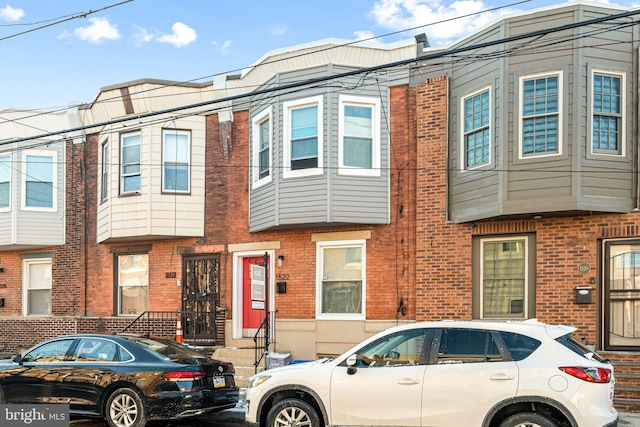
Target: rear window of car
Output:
[(520, 346), (577, 347), (166, 349)]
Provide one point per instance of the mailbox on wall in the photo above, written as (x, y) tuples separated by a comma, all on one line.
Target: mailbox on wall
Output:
[(583, 294)]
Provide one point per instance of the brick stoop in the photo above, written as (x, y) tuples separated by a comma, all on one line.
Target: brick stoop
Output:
[(626, 367)]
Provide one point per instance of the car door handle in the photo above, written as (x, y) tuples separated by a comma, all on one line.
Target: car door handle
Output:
[(501, 377), (408, 381)]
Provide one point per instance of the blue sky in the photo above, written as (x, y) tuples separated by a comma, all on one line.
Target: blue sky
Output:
[(46, 63)]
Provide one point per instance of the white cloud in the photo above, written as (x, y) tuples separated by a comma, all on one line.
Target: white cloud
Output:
[(182, 35), (403, 14), (142, 36), (363, 35), (280, 30), (10, 14), (99, 30)]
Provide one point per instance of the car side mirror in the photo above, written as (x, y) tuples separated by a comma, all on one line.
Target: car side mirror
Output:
[(17, 359), (351, 363)]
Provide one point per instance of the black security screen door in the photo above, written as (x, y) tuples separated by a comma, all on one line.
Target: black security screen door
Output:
[(200, 298), (622, 297)]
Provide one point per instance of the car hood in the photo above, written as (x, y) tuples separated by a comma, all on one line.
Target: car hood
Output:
[(299, 366)]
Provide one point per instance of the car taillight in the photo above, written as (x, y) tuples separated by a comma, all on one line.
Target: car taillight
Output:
[(184, 379), (589, 374)]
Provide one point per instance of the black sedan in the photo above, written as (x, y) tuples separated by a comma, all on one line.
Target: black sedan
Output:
[(124, 379)]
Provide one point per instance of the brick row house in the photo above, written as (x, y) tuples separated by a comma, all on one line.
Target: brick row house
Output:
[(373, 184)]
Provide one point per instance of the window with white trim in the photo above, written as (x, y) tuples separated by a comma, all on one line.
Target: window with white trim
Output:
[(39, 191), (130, 163), (341, 287), (303, 149), (503, 278), (36, 276), (262, 147), (476, 146), (541, 115), (607, 106), (359, 135), (133, 284), (104, 171), (5, 182), (176, 161)]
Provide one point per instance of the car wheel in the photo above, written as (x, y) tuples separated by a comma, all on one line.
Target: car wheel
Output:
[(528, 419), (125, 409), (293, 412)]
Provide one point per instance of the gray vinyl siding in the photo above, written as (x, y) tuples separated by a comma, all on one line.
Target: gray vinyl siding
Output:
[(328, 198), (576, 179)]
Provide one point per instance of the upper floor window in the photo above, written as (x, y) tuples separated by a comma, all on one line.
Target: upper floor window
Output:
[(607, 111), (302, 124), (104, 171), (37, 286), (39, 185), (130, 163), (359, 135), (476, 146), (262, 147), (5, 182), (176, 160), (341, 279), (540, 115)]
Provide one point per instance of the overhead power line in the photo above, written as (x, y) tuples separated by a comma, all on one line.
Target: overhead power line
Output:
[(317, 80)]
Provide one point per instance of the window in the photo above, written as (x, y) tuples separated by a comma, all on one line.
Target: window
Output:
[(133, 284), (476, 132), (302, 124), (104, 172), (262, 148), (541, 115), (5, 182), (359, 136), (39, 180), (607, 105), (467, 346), (341, 284), (405, 348), (37, 287), (130, 167), (95, 350), (176, 159), (54, 351), (504, 277)]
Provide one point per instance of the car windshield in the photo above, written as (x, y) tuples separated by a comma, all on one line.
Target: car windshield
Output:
[(167, 349), (577, 347)]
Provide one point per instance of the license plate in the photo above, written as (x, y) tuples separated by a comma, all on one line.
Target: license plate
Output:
[(218, 382)]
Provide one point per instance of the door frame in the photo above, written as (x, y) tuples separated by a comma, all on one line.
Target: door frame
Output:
[(237, 297)]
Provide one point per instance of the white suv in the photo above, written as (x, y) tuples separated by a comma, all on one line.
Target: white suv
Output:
[(490, 374)]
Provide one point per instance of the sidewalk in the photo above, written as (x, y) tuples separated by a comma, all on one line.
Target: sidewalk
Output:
[(629, 419)]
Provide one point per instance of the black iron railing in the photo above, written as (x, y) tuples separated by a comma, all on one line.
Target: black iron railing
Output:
[(263, 338), (196, 327)]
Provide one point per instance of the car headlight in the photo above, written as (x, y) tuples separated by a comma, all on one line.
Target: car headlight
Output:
[(257, 380)]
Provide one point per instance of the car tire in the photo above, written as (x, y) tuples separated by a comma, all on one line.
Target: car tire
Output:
[(292, 412), (125, 409), (528, 419)]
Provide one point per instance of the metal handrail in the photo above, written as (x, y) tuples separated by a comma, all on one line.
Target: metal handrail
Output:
[(262, 339)]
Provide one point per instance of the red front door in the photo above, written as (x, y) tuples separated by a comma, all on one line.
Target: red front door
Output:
[(253, 312)]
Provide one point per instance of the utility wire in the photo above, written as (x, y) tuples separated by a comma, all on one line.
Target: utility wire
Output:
[(317, 80), (71, 17)]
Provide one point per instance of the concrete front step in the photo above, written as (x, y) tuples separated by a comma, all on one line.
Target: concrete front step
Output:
[(243, 360)]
